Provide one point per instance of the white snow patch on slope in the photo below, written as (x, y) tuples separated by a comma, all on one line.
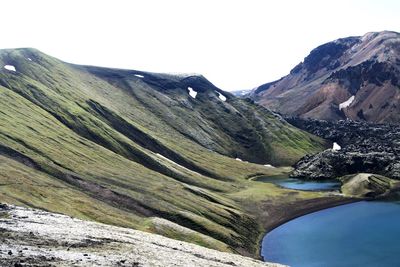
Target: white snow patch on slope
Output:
[(192, 92), (336, 146), (139, 76), (221, 96), (238, 159), (10, 67), (346, 103), (173, 162), (269, 166), (29, 59), (182, 74), (161, 156)]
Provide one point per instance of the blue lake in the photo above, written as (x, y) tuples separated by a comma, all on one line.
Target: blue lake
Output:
[(357, 234), (295, 183)]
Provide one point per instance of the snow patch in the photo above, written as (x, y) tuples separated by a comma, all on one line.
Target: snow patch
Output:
[(161, 156), (29, 59), (336, 146), (238, 159), (192, 92), (10, 67), (269, 166), (173, 162), (183, 74), (139, 76), (221, 96), (346, 103)]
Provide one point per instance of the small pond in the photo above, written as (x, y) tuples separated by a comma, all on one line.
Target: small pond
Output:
[(295, 183)]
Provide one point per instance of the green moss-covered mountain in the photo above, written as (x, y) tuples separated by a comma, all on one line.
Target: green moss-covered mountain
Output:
[(123, 147)]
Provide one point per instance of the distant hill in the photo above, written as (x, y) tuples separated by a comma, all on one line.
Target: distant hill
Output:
[(124, 147), (354, 77), (241, 92)]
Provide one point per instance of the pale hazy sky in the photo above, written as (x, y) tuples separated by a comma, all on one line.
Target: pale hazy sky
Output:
[(235, 44)]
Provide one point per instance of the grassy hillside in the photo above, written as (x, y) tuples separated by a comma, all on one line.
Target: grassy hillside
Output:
[(123, 147)]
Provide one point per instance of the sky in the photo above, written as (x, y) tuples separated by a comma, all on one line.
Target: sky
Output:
[(235, 44)]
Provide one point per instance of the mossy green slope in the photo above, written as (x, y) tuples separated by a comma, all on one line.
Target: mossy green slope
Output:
[(121, 146)]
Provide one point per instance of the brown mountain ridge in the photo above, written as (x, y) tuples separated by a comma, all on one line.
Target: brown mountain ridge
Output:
[(355, 77)]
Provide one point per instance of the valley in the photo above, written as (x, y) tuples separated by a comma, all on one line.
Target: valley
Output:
[(174, 155), (127, 147), (200, 133)]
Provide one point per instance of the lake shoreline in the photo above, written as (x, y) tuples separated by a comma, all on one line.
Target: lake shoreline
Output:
[(281, 214), (364, 233)]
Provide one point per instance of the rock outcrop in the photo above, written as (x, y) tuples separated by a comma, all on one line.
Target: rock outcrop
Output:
[(332, 164), (365, 148), (368, 185), (36, 238)]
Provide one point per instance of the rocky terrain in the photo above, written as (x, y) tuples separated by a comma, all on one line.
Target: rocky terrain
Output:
[(31, 237), (364, 148), (354, 77)]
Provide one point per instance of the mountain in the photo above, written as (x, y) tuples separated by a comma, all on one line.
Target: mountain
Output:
[(355, 77), (127, 147)]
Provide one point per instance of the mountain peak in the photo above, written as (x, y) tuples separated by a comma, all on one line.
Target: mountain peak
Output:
[(381, 34), (366, 67)]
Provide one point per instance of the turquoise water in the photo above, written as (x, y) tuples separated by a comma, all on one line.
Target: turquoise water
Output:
[(295, 183), (358, 234)]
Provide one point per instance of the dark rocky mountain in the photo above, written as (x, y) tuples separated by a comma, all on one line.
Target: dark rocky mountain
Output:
[(364, 148), (355, 77)]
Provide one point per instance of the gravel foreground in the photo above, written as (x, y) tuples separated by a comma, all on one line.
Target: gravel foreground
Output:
[(30, 237)]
